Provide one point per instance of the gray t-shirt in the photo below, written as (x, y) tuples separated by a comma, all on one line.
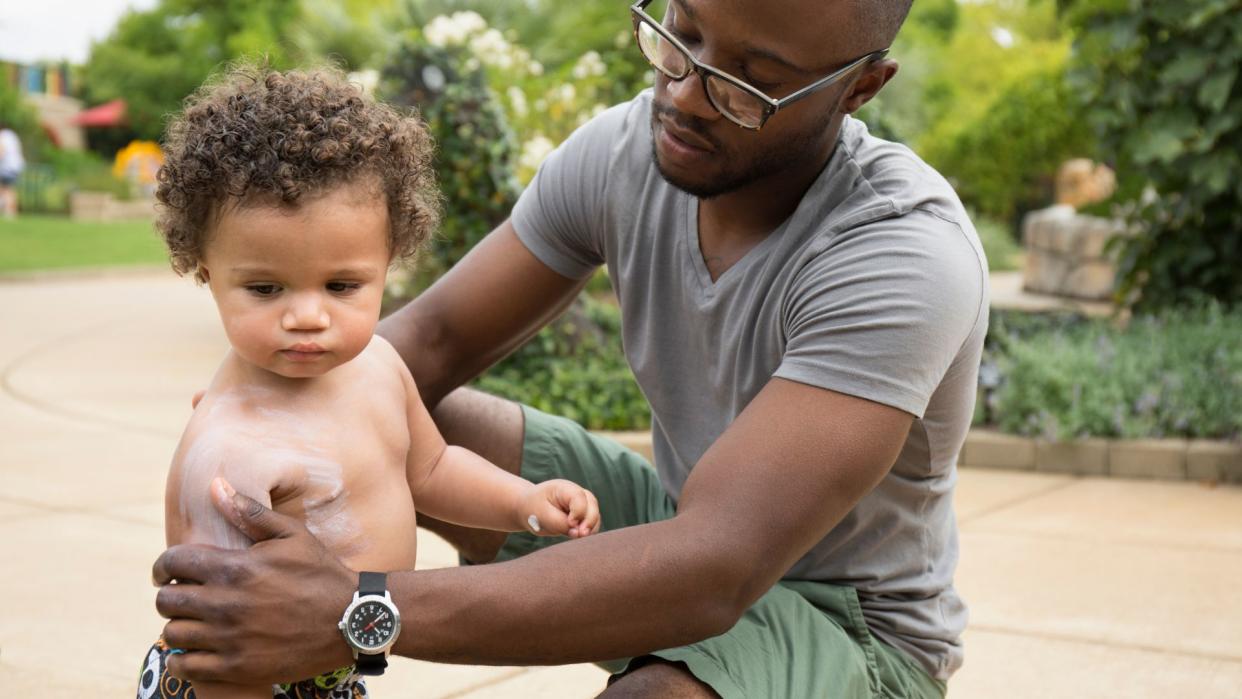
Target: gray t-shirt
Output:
[(876, 287)]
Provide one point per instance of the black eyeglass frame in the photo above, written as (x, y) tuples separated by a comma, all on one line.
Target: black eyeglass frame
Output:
[(771, 105)]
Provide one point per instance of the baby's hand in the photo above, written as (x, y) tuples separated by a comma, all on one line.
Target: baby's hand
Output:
[(559, 507)]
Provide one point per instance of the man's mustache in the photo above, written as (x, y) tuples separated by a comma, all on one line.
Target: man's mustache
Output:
[(684, 122)]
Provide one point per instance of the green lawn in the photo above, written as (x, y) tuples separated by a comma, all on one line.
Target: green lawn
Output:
[(49, 242)]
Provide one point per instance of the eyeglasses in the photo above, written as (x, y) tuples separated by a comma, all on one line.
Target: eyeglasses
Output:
[(739, 102)]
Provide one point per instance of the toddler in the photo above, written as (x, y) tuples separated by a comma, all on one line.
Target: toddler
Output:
[(290, 195)]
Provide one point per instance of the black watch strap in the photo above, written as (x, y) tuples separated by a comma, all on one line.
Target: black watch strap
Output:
[(371, 665), (371, 584)]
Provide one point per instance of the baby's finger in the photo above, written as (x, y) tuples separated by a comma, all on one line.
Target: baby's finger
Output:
[(575, 498), (590, 523)]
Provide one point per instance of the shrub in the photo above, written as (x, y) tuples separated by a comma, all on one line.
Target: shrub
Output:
[(477, 156), (575, 368), (1161, 82), (1063, 376)]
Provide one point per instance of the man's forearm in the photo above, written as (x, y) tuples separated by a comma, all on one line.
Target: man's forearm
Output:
[(619, 594)]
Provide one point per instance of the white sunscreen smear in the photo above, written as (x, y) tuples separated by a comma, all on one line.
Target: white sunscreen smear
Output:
[(248, 447)]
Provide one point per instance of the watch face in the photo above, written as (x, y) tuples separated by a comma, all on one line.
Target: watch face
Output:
[(371, 624)]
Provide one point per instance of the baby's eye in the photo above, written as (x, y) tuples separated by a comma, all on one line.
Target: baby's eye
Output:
[(262, 289), (343, 287)]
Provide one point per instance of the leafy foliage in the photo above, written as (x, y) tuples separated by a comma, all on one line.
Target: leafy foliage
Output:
[(477, 157), (1161, 81), (575, 368), (1003, 163), (1062, 376)]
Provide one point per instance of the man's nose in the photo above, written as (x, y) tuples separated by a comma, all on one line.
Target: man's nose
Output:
[(306, 311), (688, 97)]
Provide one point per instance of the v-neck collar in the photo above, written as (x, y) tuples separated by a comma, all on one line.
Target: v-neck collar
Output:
[(737, 269)]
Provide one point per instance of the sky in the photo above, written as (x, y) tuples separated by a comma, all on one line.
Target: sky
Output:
[(36, 30)]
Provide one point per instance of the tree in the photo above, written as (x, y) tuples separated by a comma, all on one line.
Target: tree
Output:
[(153, 59)]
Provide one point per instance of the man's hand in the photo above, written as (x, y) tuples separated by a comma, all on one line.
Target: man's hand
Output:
[(559, 508), (266, 614)]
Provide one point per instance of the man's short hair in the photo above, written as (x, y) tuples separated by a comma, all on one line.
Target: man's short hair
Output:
[(880, 20)]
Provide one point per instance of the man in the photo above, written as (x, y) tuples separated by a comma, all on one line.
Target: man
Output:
[(804, 307)]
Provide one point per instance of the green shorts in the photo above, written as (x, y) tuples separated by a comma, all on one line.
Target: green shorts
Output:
[(801, 639)]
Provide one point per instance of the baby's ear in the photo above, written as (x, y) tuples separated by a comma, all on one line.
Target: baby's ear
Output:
[(203, 274)]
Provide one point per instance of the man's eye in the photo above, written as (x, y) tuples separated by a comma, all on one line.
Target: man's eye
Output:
[(343, 287), (263, 289)]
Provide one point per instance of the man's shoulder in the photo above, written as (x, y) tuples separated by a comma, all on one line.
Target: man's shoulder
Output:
[(890, 176)]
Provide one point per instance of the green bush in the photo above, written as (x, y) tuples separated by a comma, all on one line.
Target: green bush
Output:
[(999, 244), (1161, 82), (476, 160), (1062, 376), (575, 368)]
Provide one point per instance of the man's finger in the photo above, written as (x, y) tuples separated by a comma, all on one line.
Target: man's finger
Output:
[(188, 634), (256, 521), (186, 563), (198, 666)]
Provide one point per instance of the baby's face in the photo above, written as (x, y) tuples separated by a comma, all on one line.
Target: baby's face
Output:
[(299, 290)]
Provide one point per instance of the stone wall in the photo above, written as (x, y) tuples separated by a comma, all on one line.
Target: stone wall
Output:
[(101, 206), (1065, 253)]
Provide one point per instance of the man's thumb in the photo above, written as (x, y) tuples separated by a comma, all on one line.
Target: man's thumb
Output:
[(255, 520)]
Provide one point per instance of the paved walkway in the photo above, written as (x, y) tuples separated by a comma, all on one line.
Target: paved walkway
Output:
[(1078, 587)]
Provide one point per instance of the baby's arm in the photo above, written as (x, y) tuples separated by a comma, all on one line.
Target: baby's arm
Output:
[(456, 485)]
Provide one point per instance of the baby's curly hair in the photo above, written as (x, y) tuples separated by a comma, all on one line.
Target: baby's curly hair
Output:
[(257, 135)]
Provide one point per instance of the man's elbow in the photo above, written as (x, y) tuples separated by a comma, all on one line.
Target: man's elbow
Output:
[(734, 586)]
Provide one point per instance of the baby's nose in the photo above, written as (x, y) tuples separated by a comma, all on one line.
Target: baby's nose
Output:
[(306, 312)]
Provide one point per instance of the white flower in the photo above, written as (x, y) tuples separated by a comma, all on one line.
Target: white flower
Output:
[(534, 151), (517, 100), (566, 93), (588, 65), (454, 29), (535, 68), (365, 79)]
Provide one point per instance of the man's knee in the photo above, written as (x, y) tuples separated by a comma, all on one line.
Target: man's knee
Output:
[(659, 678)]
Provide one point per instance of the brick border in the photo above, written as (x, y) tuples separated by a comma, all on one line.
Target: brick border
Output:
[(1163, 459)]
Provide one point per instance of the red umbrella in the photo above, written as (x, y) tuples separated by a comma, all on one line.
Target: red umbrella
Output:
[(107, 114)]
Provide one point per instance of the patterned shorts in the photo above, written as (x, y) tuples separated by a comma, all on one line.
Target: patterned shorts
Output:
[(154, 682)]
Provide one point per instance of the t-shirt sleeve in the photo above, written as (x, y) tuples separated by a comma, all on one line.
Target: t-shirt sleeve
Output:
[(560, 216), (884, 309)]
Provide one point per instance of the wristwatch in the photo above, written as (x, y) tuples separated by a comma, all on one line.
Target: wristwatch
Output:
[(371, 624)]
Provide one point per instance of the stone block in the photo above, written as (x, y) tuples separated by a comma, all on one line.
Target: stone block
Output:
[(1208, 460), (1045, 272), (1084, 457), (1148, 458), (1093, 235), (988, 449), (1090, 280), (88, 206)]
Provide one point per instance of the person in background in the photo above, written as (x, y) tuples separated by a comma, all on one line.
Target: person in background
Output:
[(11, 165)]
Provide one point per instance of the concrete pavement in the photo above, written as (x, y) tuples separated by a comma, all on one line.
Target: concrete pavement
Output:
[(1078, 587)]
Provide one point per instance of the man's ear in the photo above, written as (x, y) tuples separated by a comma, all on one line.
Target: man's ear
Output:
[(869, 83)]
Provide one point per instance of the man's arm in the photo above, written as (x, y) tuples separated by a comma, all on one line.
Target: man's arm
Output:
[(774, 484), (485, 307)]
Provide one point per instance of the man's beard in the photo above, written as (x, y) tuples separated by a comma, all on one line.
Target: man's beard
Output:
[(734, 176)]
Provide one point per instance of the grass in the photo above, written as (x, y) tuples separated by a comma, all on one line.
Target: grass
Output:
[(48, 242)]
